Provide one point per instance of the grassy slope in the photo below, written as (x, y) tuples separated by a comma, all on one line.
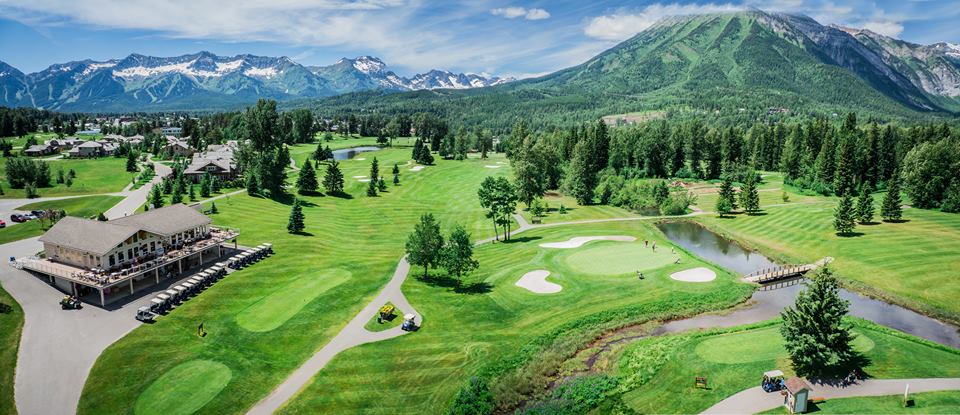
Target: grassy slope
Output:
[(946, 402), (104, 175), (364, 235), (11, 323), (754, 351), (84, 207), (461, 334), (911, 263)]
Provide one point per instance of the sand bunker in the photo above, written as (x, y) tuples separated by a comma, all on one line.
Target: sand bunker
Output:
[(578, 241), (359, 177), (359, 159), (416, 168), (493, 167), (536, 282), (364, 180), (699, 274)]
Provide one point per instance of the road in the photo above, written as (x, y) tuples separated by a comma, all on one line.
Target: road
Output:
[(137, 198), (755, 400)]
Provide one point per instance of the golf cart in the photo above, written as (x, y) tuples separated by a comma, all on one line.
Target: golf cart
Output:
[(409, 323), (145, 315), (772, 381), (70, 303)]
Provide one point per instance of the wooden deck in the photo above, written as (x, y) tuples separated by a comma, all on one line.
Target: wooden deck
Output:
[(767, 275)]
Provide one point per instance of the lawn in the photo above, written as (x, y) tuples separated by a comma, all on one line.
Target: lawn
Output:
[(912, 263), (103, 175), (493, 326), (654, 372), (944, 402), (11, 323), (84, 207), (377, 324), (362, 235), (365, 236)]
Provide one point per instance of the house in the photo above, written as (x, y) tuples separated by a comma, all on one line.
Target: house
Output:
[(797, 394), (178, 147), (90, 149), (40, 149), (67, 143), (113, 137), (126, 251), (217, 160), (174, 131)]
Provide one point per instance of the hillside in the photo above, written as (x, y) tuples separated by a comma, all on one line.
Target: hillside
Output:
[(731, 63)]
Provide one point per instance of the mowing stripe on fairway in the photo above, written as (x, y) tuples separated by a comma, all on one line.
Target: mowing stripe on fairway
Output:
[(757, 345), (275, 309), (184, 389)]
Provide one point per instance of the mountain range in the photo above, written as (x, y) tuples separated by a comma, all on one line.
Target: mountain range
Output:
[(204, 81), (746, 62)]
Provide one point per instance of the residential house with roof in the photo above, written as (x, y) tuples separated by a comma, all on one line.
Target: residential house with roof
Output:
[(217, 160), (40, 149)]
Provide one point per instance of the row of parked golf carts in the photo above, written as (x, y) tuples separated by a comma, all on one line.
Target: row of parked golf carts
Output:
[(167, 300)]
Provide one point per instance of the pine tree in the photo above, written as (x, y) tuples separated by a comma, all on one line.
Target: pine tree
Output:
[(205, 185), (844, 173), (865, 205), (177, 196), (814, 333), (844, 216), (101, 217), (215, 184), (307, 180), (156, 197), (295, 223), (749, 195), (213, 208), (728, 192), (396, 179), (381, 185), (131, 161), (580, 180), (192, 193), (253, 188), (723, 206), (890, 209), (333, 179)]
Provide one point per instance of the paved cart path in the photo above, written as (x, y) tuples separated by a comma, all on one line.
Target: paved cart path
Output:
[(755, 400)]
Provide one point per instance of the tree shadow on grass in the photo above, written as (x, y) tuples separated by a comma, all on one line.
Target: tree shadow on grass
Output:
[(5, 308), (341, 195), (846, 373), (850, 234), (871, 223), (287, 199), (521, 239), (759, 213), (896, 220), (447, 281), (312, 194), (301, 233)]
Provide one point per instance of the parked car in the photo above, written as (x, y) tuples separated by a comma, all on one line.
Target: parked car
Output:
[(3, 224), (38, 213), (29, 216), (18, 218)]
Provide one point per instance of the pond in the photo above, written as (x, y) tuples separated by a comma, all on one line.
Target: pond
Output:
[(768, 302), (349, 153)]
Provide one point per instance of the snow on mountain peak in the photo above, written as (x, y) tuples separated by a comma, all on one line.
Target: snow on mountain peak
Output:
[(368, 64)]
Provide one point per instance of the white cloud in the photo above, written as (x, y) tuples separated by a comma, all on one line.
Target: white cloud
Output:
[(886, 28), (515, 12), (624, 24)]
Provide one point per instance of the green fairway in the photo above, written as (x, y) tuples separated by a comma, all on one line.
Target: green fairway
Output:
[(655, 371), (11, 324), (184, 389), (617, 258), (84, 207), (103, 175), (911, 263), (364, 235), (494, 327), (945, 402), (275, 309)]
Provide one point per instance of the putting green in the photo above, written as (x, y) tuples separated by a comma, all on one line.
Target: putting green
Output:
[(275, 309), (757, 345), (615, 258), (184, 389)]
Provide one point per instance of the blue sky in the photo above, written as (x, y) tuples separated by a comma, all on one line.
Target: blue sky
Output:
[(513, 38)]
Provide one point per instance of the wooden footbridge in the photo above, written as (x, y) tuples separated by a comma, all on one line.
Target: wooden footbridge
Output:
[(768, 275)]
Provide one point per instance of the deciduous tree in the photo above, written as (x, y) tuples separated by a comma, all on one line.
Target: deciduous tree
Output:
[(425, 244)]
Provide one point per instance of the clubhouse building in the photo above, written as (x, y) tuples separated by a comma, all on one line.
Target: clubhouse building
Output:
[(109, 260)]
